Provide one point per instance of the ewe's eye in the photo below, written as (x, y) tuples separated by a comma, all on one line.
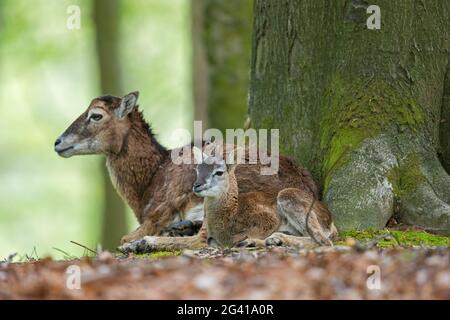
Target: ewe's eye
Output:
[(96, 117), (218, 173)]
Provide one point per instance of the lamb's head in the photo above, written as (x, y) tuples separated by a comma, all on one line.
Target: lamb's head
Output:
[(213, 175), (100, 129)]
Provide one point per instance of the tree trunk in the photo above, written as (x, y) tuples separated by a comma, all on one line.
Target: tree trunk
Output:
[(221, 60), (445, 124), (106, 17), (361, 108)]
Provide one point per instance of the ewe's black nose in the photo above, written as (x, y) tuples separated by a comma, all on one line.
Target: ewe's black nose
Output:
[(58, 141), (197, 186)]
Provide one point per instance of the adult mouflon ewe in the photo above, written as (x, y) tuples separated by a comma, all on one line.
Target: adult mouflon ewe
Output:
[(158, 190)]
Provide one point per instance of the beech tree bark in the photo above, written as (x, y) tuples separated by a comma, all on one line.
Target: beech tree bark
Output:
[(221, 32), (367, 111), (106, 17)]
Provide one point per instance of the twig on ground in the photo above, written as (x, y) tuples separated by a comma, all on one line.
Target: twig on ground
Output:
[(83, 246), (67, 256)]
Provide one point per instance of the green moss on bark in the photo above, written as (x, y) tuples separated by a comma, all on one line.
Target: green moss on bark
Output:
[(343, 141), (407, 177), (354, 110)]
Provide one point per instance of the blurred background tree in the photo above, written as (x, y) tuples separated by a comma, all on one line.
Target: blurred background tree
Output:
[(221, 33), (107, 23)]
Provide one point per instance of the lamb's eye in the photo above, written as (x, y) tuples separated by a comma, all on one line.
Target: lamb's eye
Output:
[(96, 117), (218, 173)]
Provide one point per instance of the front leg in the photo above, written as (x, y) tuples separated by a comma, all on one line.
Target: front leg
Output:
[(154, 224), (250, 243), (153, 243), (285, 240), (145, 229)]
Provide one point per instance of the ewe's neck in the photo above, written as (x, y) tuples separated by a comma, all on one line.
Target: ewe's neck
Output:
[(133, 167)]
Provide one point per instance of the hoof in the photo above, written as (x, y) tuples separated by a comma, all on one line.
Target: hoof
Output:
[(145, 245), (247, 243), (273, 242), (183, 228), (213, 243)]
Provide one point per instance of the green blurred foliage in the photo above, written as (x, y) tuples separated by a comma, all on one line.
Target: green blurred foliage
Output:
[(48, 75)]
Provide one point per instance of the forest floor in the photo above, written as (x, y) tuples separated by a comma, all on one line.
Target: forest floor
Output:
[(369, 265)]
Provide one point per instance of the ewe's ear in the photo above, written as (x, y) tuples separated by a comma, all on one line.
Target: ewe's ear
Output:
[(127, 104)]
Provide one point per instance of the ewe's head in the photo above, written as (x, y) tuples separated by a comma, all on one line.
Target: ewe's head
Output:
[(100, 129), (213, 174)]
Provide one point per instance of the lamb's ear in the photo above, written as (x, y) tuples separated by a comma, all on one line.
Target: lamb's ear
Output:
[(197, 155), (232, 158), (127, 104)]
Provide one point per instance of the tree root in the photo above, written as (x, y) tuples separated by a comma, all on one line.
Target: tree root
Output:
[(359, 194), (391, 174)]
